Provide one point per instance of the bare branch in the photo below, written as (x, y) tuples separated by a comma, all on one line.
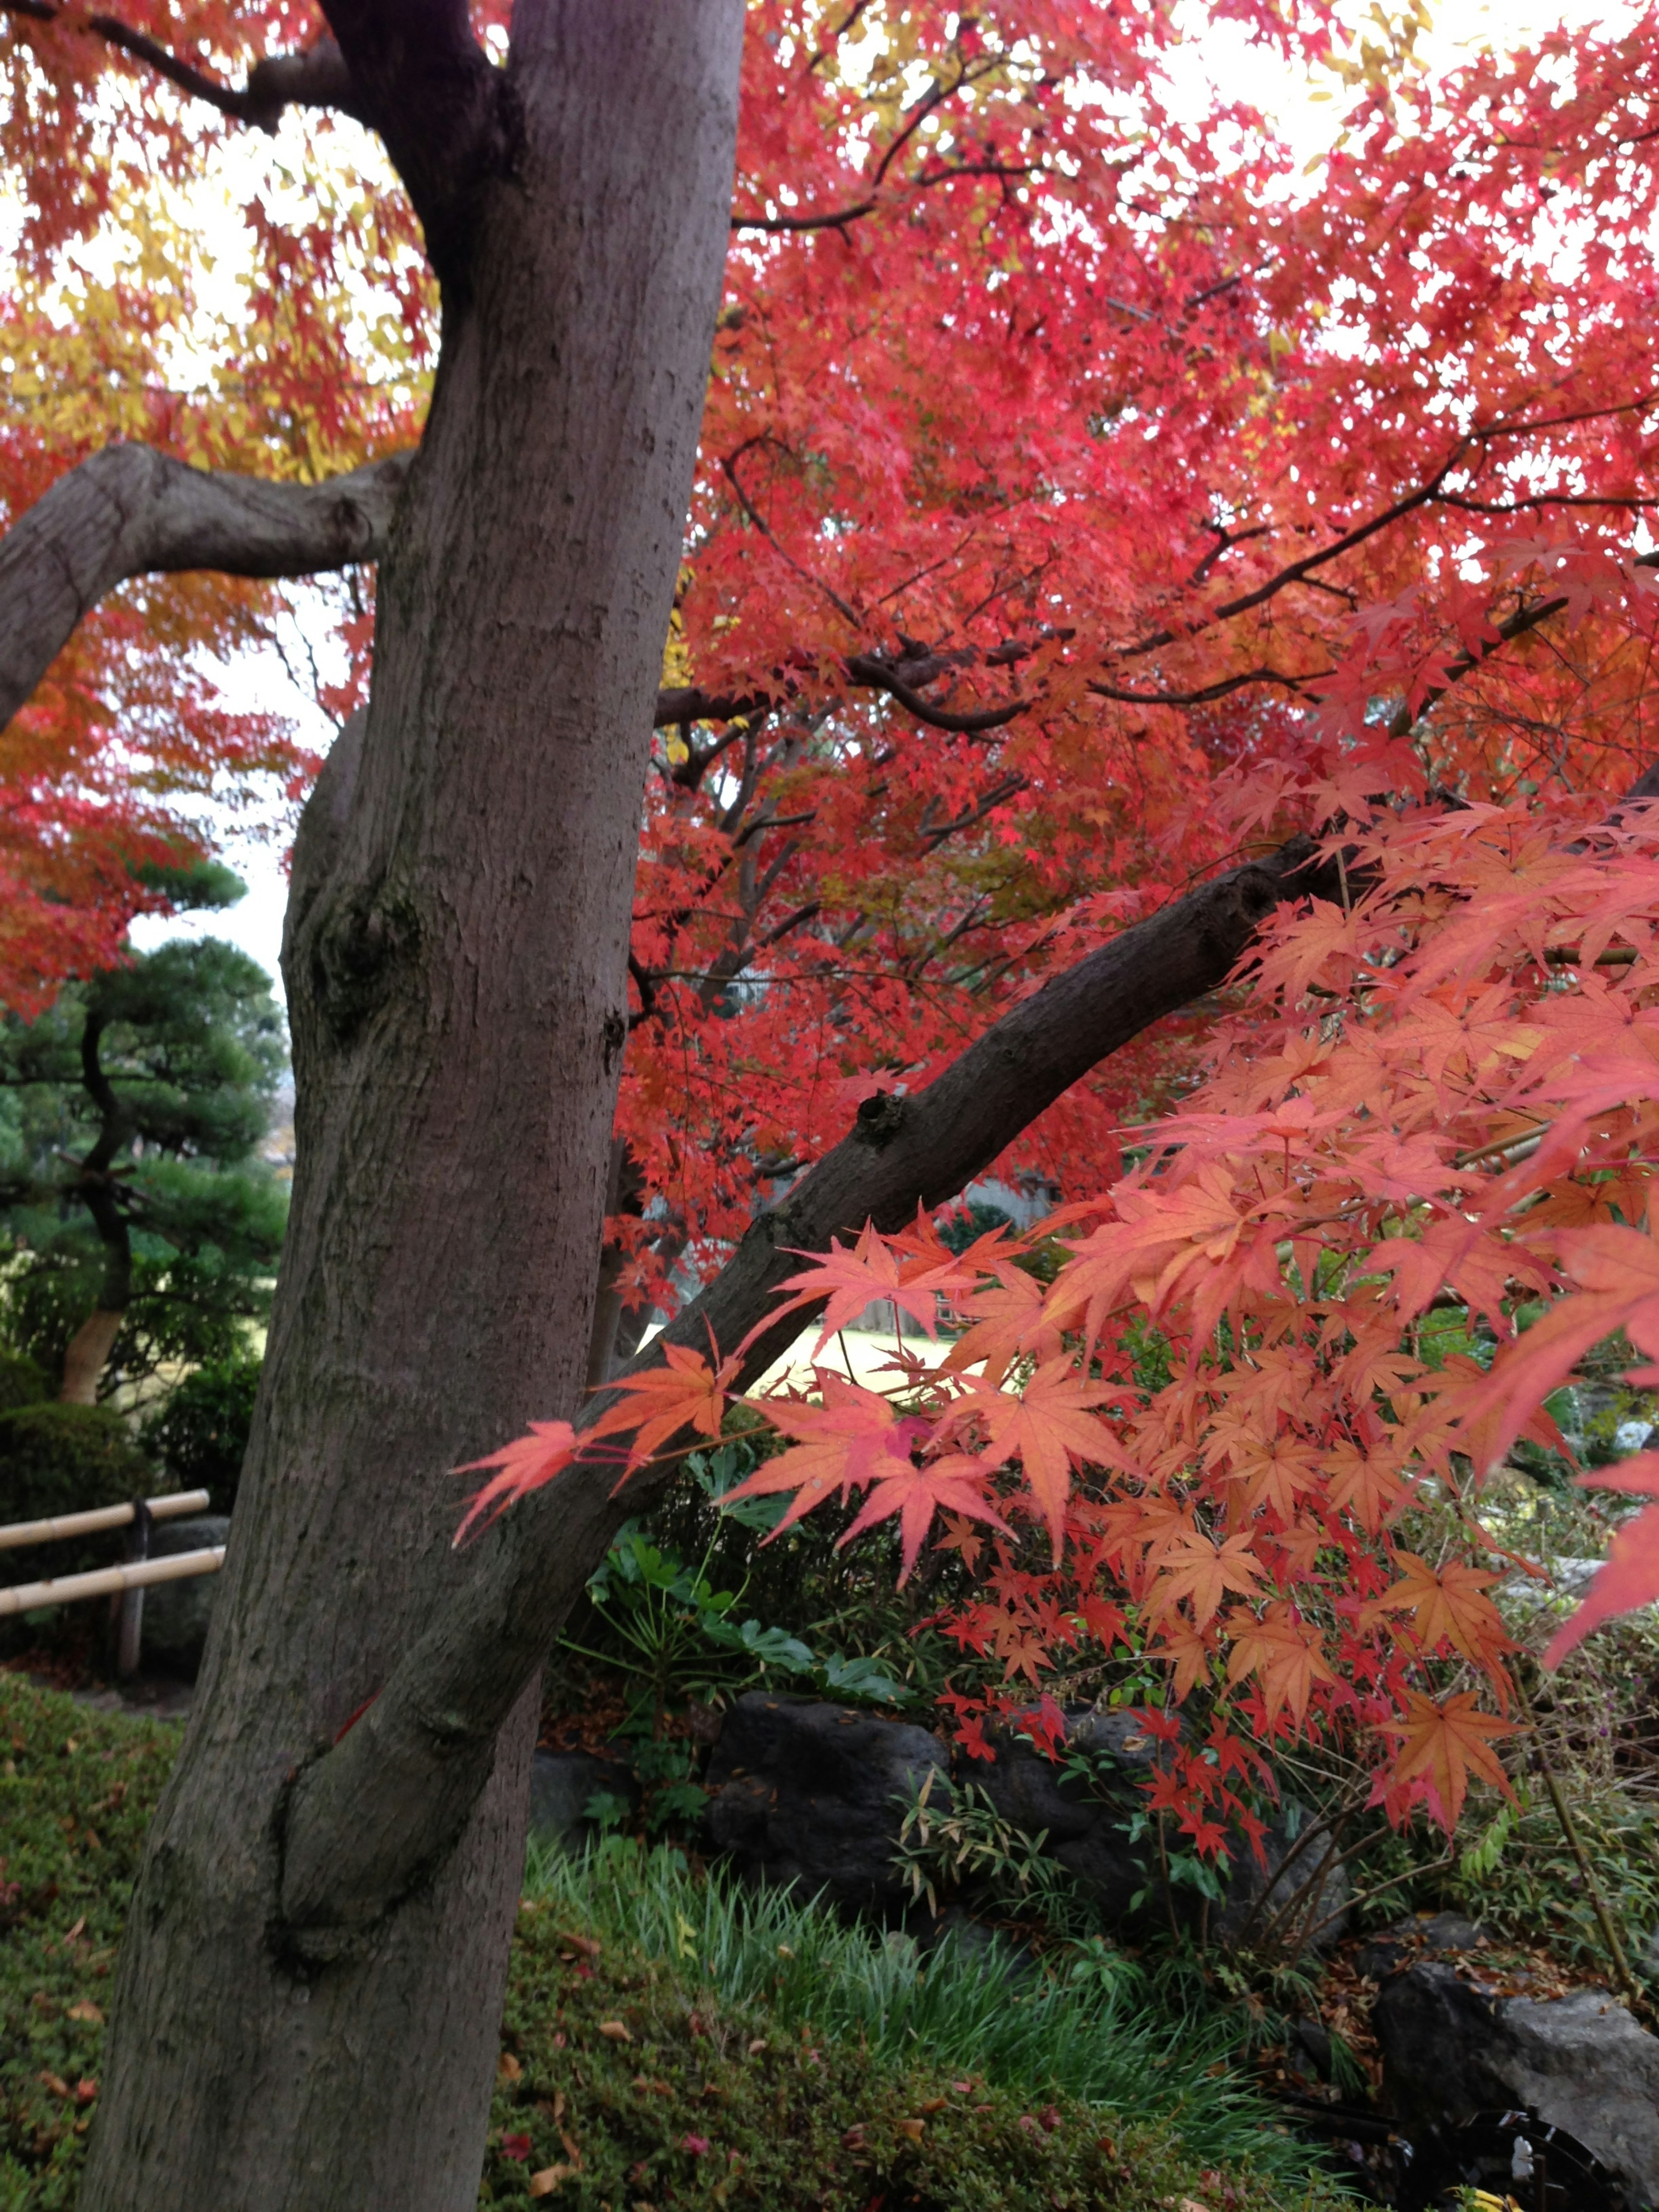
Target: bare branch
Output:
[(130, 511)]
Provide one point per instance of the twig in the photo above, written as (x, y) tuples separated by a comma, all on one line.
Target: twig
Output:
[(1622, 1973)]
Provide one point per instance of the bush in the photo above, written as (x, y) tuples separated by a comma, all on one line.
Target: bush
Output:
[(57, 1459), (67, 1459), (200, 1434), (22, 1382)]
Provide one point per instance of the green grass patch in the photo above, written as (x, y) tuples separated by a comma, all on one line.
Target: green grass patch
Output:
[(679, 2040), (671, 2040)]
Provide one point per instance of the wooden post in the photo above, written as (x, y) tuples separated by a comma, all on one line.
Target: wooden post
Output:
[(129, 1635)]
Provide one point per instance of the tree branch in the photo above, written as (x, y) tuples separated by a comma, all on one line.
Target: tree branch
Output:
[(440, 106), (130, 511), (317, 77), (369, 1815)]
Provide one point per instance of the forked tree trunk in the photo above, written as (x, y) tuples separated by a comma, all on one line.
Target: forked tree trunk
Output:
[(455, 960)]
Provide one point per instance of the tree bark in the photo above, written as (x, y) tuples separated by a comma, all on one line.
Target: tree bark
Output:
[(455, 958), (129, 511), (387, 1799)]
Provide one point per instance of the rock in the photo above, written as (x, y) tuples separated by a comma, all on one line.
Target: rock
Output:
[(563, 1785), (1452, 2047), (814, 1794), (1086, 1826), (1309, 2050), (176, 1614), (1430, 1934)]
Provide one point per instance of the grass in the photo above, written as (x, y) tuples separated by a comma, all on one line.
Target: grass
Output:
[(76, 1791), (671, 2041), (1087, 2031)]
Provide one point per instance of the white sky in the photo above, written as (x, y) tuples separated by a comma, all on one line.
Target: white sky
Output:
[(1220, 55)]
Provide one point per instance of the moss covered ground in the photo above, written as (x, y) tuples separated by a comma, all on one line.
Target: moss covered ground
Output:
[(636, 2074)]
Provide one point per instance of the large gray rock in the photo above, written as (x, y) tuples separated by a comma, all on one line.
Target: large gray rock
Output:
[(1453, 2047), (815, 1794), (176, 1614)]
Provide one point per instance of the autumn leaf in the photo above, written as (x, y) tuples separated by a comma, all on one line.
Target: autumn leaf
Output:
[(685, 1393), (1443, 1743), (1046, 1426), (1629, 1577), (1447, 1604), (848, 1281), (842, 1445), (1617, 1271), (1188, 1652), (1284, 1652), (1158, 1234), (955, 1484), (1198, 1569), (527, 1463)]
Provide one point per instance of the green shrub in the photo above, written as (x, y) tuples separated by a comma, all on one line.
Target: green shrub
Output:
[(57, 1459), (200, 1433), (21, 1382), (67, 1459)]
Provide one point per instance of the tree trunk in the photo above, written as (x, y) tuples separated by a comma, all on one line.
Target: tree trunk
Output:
[(88, 1356), (455, 959)]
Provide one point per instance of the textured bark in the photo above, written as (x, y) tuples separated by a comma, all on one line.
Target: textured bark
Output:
[(129, 510), (455, 959), (385, 1801)]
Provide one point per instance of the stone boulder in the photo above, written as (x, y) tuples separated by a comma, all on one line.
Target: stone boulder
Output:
[(814, 1794), (1086, 1826), (176, 1614), (562, 1785), (1454, 2046)]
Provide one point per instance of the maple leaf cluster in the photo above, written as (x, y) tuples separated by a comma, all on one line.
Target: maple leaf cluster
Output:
[(1439, 1097)]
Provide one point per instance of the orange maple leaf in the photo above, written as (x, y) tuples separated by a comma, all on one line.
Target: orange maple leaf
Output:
[(1188, 1652), (1443, 1742), (1618, 1269), (1004, 1322), (525, 1464), (1045, 1427), (1158, 1235), (686, 1393), (851, 1280), (1283, 1652), (1195, 1567), (916, 1493), (843, 1443), (1445, 1603)]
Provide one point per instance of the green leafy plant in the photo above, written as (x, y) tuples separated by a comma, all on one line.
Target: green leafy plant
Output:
[(200, 1431), (675, 1637), (952, 1841)]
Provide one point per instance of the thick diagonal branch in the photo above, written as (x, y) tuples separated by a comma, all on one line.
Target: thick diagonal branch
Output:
[(129, 512), (384, 1804)]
